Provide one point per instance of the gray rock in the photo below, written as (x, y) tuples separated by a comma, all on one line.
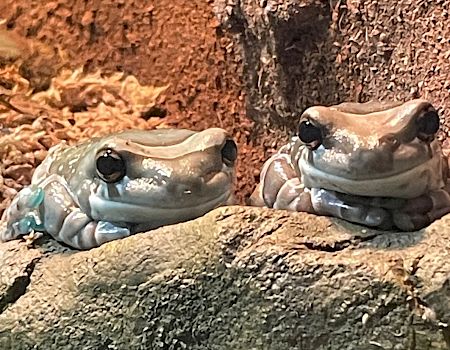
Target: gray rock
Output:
[(237, 278)]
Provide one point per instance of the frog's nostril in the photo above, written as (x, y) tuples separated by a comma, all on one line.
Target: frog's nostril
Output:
[(391, 141), (229, 152)]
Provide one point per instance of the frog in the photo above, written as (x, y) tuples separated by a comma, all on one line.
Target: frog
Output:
[(114, 186), (378, 164)]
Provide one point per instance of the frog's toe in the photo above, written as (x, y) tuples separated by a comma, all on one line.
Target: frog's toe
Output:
[(327, 202), (106, 231), (24, 225), (256, 198), (376, 217), (369, 216), (6, 232), (410, 222), (292, 196), (422, 205), (421, 211)]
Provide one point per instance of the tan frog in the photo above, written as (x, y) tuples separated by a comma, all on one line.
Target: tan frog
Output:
[(376, 164)]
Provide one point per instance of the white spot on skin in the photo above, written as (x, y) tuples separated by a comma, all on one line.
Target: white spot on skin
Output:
[(149, 164)]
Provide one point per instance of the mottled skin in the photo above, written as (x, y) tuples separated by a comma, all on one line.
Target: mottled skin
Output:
[(171, 175), (376, 164)]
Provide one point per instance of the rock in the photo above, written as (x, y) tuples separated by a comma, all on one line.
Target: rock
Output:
[(237, 278)]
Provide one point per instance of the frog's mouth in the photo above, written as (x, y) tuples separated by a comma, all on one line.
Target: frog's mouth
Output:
[(162, 205), (151, 216), (407, 184)]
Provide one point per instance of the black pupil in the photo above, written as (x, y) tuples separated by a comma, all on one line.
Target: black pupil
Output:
[(308, 132), (429, 123), (110, 163), (229, 151)]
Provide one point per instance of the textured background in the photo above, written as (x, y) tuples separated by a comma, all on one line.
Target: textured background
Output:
[(324, 52), (255, 61)]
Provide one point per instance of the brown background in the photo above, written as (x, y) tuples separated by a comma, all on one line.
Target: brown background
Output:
[(262, 61)]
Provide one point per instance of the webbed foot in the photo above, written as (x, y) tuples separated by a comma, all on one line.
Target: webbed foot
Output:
[(421, 211), (22, 217), (331, 203)]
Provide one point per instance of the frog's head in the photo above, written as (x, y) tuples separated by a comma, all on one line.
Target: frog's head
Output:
[(160, 177), (370, 149)]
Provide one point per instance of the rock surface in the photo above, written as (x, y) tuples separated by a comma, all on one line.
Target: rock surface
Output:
[(237, 278)]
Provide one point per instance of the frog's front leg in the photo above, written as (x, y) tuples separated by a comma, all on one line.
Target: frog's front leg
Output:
[(280, 187), (421, 211), (22, 215), (67, 223)]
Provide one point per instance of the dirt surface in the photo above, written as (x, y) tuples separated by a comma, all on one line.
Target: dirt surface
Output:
[(76, 107), (176, 44)]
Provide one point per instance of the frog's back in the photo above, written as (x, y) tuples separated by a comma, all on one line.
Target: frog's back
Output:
[(152, 138), (62, 160)]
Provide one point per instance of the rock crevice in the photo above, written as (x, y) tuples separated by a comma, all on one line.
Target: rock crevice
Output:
[(17, 286)]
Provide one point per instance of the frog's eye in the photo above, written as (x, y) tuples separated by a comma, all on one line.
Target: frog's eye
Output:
[(110, 165), (427, 124), (229, 152), (310, 134)]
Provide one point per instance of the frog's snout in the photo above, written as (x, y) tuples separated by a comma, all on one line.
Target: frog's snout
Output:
[(229, 152), (370, 160)]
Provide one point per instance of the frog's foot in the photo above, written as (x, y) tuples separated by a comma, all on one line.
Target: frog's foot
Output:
[(21, 217), (5, 232), (421, 211), (276, 176), (330, 203), (293, 196), (26, 224), (79, 231)]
